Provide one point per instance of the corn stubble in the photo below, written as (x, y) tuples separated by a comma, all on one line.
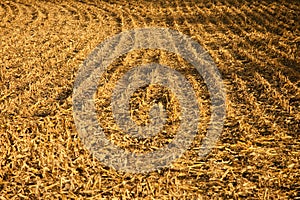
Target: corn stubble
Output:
[(255, 46)]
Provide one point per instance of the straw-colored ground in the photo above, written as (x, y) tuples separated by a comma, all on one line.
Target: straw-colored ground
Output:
[(255, 46)]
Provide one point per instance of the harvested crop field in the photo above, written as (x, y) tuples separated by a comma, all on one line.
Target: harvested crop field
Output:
[(256, 47)]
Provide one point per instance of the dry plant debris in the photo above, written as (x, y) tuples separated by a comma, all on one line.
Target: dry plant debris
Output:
[(255, 45)]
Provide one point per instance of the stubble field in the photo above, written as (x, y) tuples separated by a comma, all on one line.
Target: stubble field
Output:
[(256, 47)]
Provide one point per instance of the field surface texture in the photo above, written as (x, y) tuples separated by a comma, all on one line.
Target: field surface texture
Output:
[(255, 46)]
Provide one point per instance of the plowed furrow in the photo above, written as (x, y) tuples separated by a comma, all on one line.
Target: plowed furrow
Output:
[(112, 15), (265, 116), (239, 121), (270, 12), (259, 40), (136, 15), (243, 50), (3, 12), (224, 37), (11, 10), (86, 13), (133, 18), (286, 7), (90, 12), (255, 45), (254, 38), (173, 20), (73, 12), (285, 84), (35, 14), (233, 3), (274, 97), (261, 23)]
